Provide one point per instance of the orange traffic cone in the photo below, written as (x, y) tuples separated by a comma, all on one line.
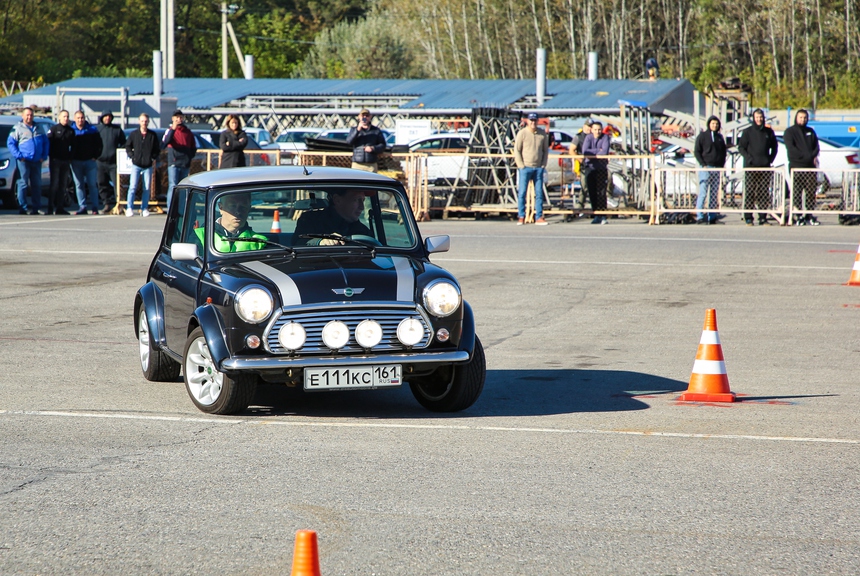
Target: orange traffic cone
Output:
[(306, 558), (709, 382), (855, 273), (276, 222)]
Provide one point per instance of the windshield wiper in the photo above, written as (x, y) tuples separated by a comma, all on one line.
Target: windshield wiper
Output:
[(363, 243), (265, 241)]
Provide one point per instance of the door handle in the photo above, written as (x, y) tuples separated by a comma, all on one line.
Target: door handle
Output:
[(169, 276)]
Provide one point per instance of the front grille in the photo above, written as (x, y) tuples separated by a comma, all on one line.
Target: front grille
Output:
[(314, 322)]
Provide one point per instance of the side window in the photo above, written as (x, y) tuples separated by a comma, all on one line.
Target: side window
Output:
[(179, 221), (195, 220)]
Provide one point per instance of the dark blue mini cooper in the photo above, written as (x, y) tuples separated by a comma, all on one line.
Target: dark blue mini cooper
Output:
[(310, 277)]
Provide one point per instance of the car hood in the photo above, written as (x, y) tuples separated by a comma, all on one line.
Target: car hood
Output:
[(337, 278)]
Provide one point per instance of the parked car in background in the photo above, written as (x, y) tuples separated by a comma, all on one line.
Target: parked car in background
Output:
[(833, 160), (260, 135), (301, 306), (293, 139), (9, 166)]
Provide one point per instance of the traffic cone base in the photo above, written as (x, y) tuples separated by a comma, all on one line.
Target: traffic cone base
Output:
[(306, 559), (855, 272), (709, 381)]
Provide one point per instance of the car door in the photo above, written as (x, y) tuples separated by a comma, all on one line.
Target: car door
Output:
[(178, 279)]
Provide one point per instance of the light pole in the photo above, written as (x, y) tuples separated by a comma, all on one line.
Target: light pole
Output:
[(225, 10)]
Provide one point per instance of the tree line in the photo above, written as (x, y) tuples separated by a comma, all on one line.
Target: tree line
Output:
[(791, 52)]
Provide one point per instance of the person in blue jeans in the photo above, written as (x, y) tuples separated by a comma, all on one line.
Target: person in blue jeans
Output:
[(710, 151), (28, 144), (181, 148), (86, 147), (531, 149), (143, 150)]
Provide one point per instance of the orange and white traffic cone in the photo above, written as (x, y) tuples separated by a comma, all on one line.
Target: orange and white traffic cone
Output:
[(306, 558), (276, 223), (855, 273), (709, 381)]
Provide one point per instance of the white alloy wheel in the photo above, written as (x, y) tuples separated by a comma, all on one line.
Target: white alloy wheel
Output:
[(203, 380)]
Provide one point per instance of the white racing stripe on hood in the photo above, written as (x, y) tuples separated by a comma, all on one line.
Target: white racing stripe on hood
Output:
[(290, 295), (405, 279)]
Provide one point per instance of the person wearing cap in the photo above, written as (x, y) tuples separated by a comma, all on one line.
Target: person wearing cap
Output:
[(113, 137), (367, 142), (181, 149), (531, 150)]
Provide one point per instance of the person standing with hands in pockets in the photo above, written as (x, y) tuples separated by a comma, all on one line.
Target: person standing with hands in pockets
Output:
[(181, 149), (367, 143)]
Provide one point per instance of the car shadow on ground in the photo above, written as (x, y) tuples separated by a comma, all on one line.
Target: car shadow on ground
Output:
[(506, 393)]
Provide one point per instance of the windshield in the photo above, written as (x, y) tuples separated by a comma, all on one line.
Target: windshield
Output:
[(295, 137), (313, 218)]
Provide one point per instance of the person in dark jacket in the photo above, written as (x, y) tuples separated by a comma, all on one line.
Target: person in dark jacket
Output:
[(595, 170), (113, 137), (60, 136), (758, 147), (576, 150), (232, 143), (181, 149), (801, 146), (143, 150), (86, 147), (367, 142), (710, 151)]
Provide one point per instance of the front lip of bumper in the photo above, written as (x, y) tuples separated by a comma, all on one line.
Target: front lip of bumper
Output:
[(240, 364)]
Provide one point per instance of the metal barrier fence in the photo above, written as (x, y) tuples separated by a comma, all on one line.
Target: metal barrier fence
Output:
[(754, 192), (444, 183), (757, 193)]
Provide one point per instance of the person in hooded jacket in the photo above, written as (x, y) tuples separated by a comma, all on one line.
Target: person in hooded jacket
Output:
[(710, 151), (758, 147), (113, 137), (801, 146)]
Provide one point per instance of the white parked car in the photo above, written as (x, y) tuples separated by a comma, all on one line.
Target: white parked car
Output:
[(833, 159), (261, 135), (293, 139)]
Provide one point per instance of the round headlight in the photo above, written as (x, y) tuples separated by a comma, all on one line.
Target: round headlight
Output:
[(368, 333), (253, 304), (410, 331), (442, 298), (292, 336), (335, 335)]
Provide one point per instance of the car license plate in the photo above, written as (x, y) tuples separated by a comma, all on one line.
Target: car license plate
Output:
[(352, 377)]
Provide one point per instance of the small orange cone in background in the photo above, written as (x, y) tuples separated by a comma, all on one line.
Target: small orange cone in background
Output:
[(306, 558), (709, 382), (855, 273), (276, 222)]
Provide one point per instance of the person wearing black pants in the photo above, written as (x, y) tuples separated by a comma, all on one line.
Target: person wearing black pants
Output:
[(758, 147), (595, 169), (112, 138), (60, 137)]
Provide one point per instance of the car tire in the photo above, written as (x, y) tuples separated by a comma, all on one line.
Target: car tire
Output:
[(212, 391), (458, 393), (157, 366)]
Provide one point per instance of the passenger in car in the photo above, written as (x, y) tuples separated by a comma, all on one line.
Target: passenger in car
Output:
[(340, 217), (232, 225)]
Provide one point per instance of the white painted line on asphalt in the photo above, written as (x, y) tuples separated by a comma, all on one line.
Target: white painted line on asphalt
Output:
[(616, 263), (707, 239), (96, 252), (391, 425)]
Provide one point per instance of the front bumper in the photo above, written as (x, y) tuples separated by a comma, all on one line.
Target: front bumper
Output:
[(267, 363)]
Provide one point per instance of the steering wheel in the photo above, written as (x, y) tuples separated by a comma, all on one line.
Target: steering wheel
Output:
[(366, 239)]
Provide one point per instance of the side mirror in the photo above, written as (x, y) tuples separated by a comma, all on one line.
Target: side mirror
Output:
[(435, 244), (182, 251)]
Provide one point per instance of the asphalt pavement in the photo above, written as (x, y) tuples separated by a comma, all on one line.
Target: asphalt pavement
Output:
[(577, 459)]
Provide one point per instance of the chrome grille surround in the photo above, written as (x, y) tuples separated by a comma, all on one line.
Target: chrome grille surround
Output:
[(314, 318)]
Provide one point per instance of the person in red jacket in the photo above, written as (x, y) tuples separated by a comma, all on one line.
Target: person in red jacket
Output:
[(181, 149)]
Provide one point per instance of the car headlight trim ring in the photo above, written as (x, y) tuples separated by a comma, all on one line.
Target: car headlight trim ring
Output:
[(253, 304)]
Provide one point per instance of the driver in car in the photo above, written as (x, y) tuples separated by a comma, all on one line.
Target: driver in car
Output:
[(232, 232), (340, 218)]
